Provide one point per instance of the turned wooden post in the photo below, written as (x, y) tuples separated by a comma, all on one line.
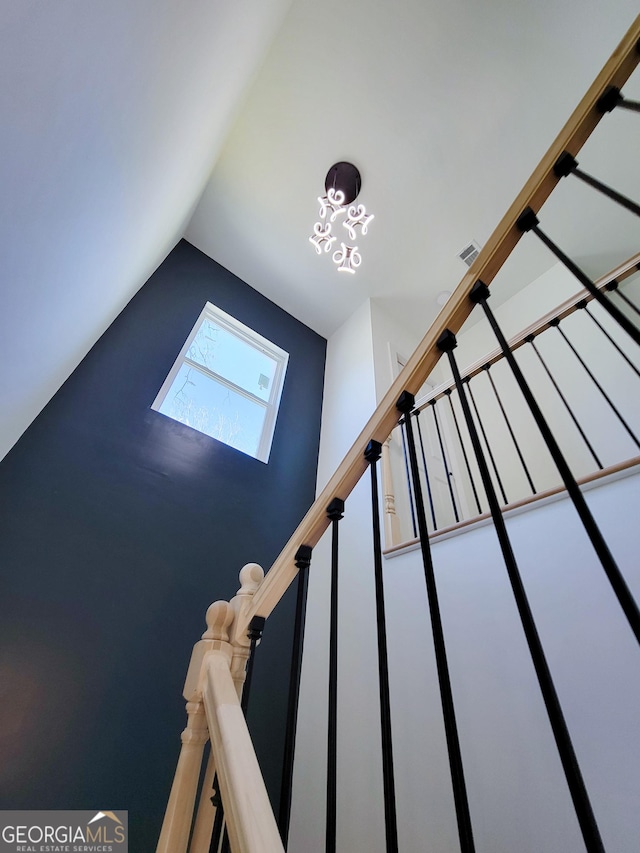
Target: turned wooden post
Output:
[(250, 822), (391, 521), (176, 826), (251, 576)]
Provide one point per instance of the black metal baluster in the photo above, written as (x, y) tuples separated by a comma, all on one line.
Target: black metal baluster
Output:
[(254, 633), (613, 97), (566, 165), (528, 221), (467, 380), (302, 561), (464, 452), (256, 627), (218, 823), (405, 405), (335, 512), (480, 294), (555, 323), (409, 489), (372, 454), (530, 340), (584, 812), (445, 461), (426, 473), (487, 369), (613, 287), (583, 306)]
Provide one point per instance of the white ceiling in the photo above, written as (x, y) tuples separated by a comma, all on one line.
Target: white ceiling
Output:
[(446, 108), (116, 112)]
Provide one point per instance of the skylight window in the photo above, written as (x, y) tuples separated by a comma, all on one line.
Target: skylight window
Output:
[(226, 383)]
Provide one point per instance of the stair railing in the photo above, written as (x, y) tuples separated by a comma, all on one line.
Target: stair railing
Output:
[(215, 677), (438, 423), (216, 680), (492, 257)]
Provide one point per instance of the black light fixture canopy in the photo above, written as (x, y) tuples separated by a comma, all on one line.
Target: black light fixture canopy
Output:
[(345, 177), (342, 185)]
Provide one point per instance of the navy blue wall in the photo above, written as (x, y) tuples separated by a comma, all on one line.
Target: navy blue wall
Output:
[(118, 527)]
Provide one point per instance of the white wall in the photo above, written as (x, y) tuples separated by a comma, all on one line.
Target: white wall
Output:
[(349, 400), (517, 792), (610, 440), (542, 295), (349, 390), (113, 114), (390, 339)]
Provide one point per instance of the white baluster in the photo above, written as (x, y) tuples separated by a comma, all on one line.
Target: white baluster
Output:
[(391, 520)]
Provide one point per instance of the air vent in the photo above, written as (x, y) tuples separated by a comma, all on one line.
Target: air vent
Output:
[(469, 253)]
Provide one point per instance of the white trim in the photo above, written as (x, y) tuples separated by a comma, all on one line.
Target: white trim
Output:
[(528, 506), (258, 342)]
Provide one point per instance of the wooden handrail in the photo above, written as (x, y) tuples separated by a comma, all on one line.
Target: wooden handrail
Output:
[(250, 822), (504, 239), (174, 835), (212, 690)]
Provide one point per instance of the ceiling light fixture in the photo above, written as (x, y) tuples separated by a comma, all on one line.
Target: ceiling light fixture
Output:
[(342, 186)]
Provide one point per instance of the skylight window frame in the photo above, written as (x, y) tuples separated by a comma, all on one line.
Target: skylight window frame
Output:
[(256, 341)]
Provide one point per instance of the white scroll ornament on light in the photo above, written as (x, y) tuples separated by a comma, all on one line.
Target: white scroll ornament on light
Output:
[(322, 237), (348, 258), (357, 216), (333, 203)]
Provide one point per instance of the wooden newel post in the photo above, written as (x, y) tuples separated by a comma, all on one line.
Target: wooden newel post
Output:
[(249, 819), (174, 836), (212, 690), (251, 577)]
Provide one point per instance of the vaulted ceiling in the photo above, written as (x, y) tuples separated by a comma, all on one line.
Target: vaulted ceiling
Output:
[(128, 123)]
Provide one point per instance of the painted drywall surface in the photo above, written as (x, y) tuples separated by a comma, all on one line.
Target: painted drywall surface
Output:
[(609, 437), (432, 182), (611, 441), (349, 399), (474, 342), (393, 343), (517, 792), (390, 340), (113, 115), (119, 527), (516, 313)]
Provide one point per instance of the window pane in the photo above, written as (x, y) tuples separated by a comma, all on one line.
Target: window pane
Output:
[(206, 405), (233, 358)]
